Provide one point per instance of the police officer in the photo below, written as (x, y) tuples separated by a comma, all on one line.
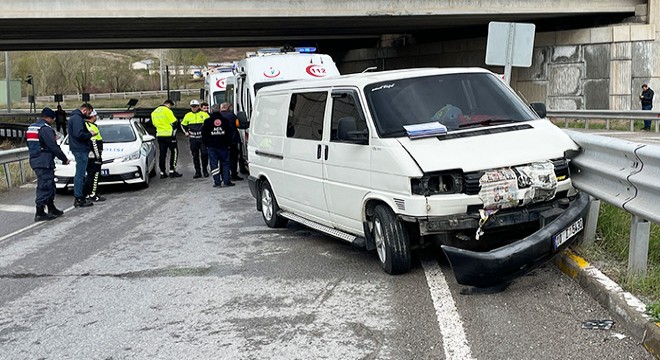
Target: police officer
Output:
[(166, 124), (192, 126), (43, 148), (95, 161)]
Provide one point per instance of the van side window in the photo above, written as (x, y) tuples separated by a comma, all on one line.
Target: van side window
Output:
[(348, 123), (306, 112)]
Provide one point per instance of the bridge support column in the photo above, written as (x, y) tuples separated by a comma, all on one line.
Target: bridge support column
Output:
[(653, 12), (620, 75)]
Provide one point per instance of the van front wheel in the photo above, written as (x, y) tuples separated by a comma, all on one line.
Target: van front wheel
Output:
[(269, 207), (391, 238)]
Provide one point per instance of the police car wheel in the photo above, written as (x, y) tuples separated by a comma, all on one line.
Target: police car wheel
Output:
[(392, 243), (269, 207)]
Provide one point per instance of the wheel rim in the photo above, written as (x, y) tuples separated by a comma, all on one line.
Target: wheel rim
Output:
[(266, 204), (380, 241)]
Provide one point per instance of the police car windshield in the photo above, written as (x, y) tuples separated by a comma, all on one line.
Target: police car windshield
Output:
[(455, 100), (116, 133)]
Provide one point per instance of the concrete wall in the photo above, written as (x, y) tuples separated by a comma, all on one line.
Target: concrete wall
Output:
[(597, 68)]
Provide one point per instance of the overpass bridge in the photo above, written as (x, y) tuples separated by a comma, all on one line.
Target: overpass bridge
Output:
[(115, 24)]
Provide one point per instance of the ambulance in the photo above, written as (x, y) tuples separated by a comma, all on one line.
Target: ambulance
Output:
[(267, 67), (216, 86)]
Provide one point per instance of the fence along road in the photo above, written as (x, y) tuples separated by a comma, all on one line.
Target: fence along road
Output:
[(181, 267)]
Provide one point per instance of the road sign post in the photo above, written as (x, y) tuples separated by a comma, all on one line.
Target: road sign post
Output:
[(509, 45)]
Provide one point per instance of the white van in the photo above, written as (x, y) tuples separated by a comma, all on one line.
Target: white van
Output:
[(403, 158)]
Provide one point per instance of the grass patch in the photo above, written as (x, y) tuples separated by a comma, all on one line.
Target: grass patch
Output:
[(620, 125), (15, 171), (610, 254)]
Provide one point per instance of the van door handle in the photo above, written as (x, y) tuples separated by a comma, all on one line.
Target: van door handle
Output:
[(318, 151), (326, 152)]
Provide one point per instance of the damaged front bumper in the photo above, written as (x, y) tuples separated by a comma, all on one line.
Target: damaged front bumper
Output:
[(501, 265)]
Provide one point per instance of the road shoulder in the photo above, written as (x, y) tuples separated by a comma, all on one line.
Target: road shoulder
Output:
[(625, 307)]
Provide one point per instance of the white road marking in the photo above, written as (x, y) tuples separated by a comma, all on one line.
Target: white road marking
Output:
[(451, 327), (17, 208), (8, 236)]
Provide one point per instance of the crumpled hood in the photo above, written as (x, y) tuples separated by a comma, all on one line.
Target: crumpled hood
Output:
[(541, 142)]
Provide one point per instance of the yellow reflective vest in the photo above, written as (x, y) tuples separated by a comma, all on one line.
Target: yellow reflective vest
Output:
[(164, 120)]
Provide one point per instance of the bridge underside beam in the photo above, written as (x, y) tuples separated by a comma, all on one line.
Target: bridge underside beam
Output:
[(181, 32)]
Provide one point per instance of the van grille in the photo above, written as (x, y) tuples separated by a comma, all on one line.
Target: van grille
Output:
[(471, 179)]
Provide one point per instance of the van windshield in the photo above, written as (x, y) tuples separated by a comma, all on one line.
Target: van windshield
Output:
[(456, 100)]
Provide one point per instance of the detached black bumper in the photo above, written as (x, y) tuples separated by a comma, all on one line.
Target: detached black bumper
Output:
[(501, 265)]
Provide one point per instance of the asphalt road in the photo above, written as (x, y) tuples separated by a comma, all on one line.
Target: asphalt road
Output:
[(185, 270)]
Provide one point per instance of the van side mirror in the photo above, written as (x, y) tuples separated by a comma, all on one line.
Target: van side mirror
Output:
[(539, 108), (347, 131), (243, 122)]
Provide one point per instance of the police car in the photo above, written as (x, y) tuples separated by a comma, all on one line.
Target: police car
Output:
[(129, 155)]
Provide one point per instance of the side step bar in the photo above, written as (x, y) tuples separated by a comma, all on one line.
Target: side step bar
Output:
[(355, 240)]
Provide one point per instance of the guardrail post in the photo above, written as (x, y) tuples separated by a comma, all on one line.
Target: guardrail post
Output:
[(607, 124), (586, 123), (7, 175), (589, 235), (20, 168), (632, 125), (640, 231), (657, 125)]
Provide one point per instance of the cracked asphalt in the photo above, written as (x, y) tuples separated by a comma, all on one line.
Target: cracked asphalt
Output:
[(185, 270)]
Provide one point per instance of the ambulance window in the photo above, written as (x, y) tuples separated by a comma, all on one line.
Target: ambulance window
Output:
[(306, 112), (347, 123)]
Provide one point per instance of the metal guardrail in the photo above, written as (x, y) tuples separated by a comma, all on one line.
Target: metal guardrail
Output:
[(607, 115), (123, 95), (13, 131), (10, 156), (626, 175)]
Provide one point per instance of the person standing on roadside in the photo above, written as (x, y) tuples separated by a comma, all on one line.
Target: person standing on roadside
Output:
[(192, 126), (94, 163), (166, 124), (60, 119), (43, 149), (217, 135), (80, 146), (225, 111), (647, 104)]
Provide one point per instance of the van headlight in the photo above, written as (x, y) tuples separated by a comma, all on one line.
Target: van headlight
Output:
[(131, 156), (438, 183)]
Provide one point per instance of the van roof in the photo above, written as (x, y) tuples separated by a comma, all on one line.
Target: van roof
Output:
[(362, 79)]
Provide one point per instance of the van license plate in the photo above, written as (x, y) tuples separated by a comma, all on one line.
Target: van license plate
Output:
[(105, 172), (567, 233)]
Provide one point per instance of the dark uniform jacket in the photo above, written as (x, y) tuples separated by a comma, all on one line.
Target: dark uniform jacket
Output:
[(217, 131), (78, 134), (42, 146)]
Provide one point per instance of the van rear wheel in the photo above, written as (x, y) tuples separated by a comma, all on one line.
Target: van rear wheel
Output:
[(269, 207), (392, 243)]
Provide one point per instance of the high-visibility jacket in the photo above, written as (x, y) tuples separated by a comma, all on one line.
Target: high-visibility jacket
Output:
[(164, 120), (97, 141), (193, 122)]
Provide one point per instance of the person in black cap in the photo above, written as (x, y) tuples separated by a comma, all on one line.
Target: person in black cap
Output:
[(43, 148)]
